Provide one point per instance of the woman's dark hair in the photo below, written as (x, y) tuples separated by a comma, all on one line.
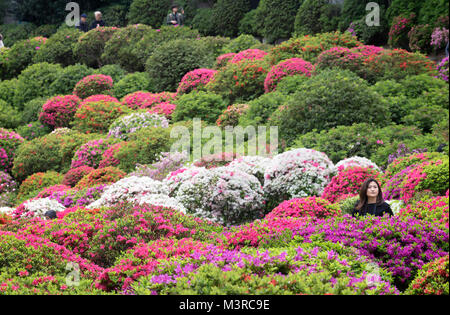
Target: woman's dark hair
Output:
[(363, 194)]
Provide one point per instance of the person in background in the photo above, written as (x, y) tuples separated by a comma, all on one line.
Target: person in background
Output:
[(1, 41), (98, 21), (371, 201), (175, 18), (84, 26)]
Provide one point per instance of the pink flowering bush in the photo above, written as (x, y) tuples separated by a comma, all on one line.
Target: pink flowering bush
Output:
[(93, 85), (59, 111), (195, 80), (439, 38), (224, 59), (442, 68), (230, 117), (432, 279), (73, 176), (9, 142), (290, 67), (165, 109), (99, 98), (108, 158), (348, 181), (249, 54), (90, 154), (102, 176), (47, 192), (143, 100), (311, 207), (398, 34), (8, 188)]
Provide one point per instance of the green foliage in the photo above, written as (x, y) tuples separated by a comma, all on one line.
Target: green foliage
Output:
[(33, 130), (21, 55), (90, 46), (10, 118), (291, 84), (149, 12), (33, 184), (425, 117), (241, 43), (120, 48), (68, 78), (226, 15), (59, 48), (431, 10), (317, 16), (262, 108), (144, 147), (172, 60), (45, 30), (34, 82), (347, 205), (32, 109), (199, 104), (249, 24), (215, 44), (402, 7), (114, 71), (203, 22), (332, 98), (138, 81), (115, 14), (7, 90), (419, 38), (437, 179), (432, 279), (13, 33)]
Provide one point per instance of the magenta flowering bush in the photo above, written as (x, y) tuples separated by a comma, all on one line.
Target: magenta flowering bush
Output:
[(90, 154), (59, 111), (442, 68), (9, 142), (249, 54), (398, 34), (290, 67), (8, 189), (348, 181), (108, 158), (224, 59), (93, 85), (143, 100), (311, 207), (73, 176), (195, 80), (165, 109)]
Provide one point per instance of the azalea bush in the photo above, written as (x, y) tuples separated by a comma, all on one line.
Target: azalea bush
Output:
[(72, 177), (195, 80), (33, 184), (249, 54), (21, 55), (443, 69), (127, 125), (91, 153), (93, 85), (133, 82), (290, 67), (311, 207), (432, 279), (199, 104), (144, 100), (59, 111), (231, 116), (90, 46), (8, 189), (165, 109), (102, 176), (9, 142), (398, 34)]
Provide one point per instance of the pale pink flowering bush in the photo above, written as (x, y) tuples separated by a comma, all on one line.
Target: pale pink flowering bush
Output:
[(290, 67), (174, 180), (90, 154), (59, 111), (439, 38), (165, 109), (143, 100), (296, 174), (223, 60), (311, 207), (195, 79), (93, 85), (249, 54), (108, 158), (357, 161)]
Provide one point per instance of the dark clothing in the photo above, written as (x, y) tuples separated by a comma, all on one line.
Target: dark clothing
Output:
[(97, 23), (178, 17), (84, 27), (374, 209)]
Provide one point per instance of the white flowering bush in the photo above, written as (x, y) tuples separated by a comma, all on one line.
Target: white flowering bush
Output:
[(61, 131), (124, 126), (160, 200), (174, 180), (6, 210), (396, 205), (297, 174), (223, 195), (253, 165), (38, 208), (130, 189), (356, 161)]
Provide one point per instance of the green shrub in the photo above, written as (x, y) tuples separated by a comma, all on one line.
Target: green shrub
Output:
[(89, 48), (114, 71), (21, 55), (291, 84), (115, 14), (203, 22), (402, 7), (120, 48), (68, 78), (419, 38), (172, 60), (46, 30), (7, 90), (144, 147), (34, 82), (215, 44), (4, 73), (10, 118), (415, 85), (32, 109), (241, 43), (249, 24), (33, 130), (59, 48), (199, 104), (226, 15), (262, 108), (52, 152), (317, 16), (35, 183), (431, 10), (13, 33), (347, 205), (425, 117), (138, 81), (149, 12), (96, 117), (277, 18), (332, 98)]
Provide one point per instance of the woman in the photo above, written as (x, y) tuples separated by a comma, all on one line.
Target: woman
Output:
[(371, 201)]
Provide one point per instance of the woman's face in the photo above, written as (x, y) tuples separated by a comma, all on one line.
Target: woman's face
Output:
[(372, 190)]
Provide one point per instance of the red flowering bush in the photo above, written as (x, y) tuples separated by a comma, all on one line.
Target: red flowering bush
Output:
[(398, 34), (58, 112), (243, 80), (249, 54), (224, 59), (9, 142), (432, 279), (144, 100), (107, 175), (230, 117), (97, 117), (290, 67), (73, 176), (348, 181), (165, 109), (195, 80), (99, 98), (108, 158), (311, 207), (33, 184), (93, 85)]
